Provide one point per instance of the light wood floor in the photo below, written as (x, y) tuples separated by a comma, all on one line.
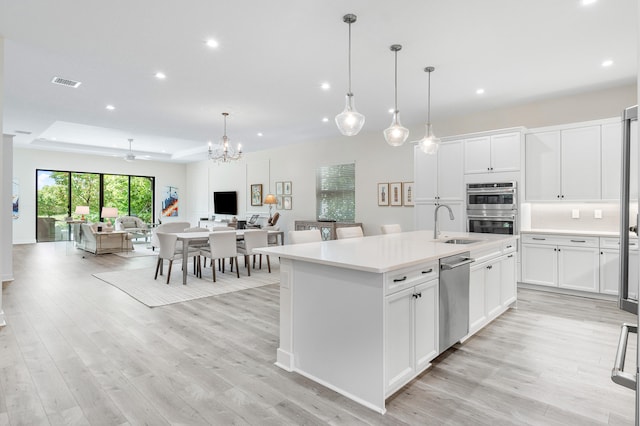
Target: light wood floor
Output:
[(79, 351)]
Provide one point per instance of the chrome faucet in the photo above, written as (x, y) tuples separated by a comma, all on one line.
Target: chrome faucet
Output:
[(436, 231)]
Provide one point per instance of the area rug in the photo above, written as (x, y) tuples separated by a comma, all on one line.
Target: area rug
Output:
[(139, 283)]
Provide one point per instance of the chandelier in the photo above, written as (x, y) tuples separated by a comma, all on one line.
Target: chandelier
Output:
[(223, 152)]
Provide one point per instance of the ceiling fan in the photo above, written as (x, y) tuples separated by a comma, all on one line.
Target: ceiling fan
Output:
[(129, 156)]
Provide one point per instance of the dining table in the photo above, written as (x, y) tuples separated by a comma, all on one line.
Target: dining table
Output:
[(201, 237)]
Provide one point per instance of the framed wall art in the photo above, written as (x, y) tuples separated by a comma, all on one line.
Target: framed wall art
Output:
[(256, 194), (287, 202), (383, 194), (279, 188), (407, 193), (280, 203), (287, 188), (395, 194)]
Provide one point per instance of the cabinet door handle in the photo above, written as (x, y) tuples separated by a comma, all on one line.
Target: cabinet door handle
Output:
[(428, 271), (490, 266), (555, 249), (578, 241), (398, 280), (601, 253), (509, 246), (510, 255), (539, 239), (416, 295), (562, 196), (558, 196)]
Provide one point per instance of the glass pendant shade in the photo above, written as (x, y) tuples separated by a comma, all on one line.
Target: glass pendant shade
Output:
[(395, 135), (429, 144), (349, 121)]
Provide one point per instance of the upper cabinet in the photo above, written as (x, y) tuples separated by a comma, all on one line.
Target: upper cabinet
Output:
[(439, 176), (490, 154), (563, 164)]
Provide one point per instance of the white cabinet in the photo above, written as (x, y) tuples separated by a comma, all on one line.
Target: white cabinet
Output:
[(424, 216), (439, 177), (492, 288), (411, 333), (489, 154), (610, 266), (563, 164), (561, 261)]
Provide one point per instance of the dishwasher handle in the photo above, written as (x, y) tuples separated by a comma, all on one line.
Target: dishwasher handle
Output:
[(465, 261), (617, 375)]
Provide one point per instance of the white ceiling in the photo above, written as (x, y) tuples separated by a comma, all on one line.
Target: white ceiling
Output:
[(272, 58)]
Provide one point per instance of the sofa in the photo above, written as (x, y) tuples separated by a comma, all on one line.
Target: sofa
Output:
[(169, 228), (106, 242), (132, 224)]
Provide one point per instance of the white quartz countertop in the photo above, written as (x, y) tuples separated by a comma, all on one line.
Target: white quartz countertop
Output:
[(612, 234), (383, 253)]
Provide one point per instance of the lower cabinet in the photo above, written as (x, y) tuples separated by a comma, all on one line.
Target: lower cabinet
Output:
[(610, 266), (492, 289), (411, 333), (559, 261)]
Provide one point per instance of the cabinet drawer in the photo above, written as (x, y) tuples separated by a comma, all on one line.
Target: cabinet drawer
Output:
[(487, 253), (561, 240), (404, 278), (509, 247), (614, 243)]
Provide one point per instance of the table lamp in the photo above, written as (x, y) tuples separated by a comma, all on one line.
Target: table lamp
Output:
[(270, 199), (82, 210), (108, 213)]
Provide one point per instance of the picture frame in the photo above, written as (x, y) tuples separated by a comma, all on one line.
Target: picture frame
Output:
[(280, 203), (286, 200), (279, 188), (256, 194), (287, 188), (395, 194), (383, 194), (407, 194)]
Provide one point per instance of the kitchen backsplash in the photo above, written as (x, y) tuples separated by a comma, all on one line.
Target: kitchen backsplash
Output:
[(559, 216)]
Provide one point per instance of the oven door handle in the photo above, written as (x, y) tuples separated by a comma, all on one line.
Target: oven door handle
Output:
[(491, 217), (491, 191)]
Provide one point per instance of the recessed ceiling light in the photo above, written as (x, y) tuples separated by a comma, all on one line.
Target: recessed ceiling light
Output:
[(325, 86), (161, 75), (607, 63), (588, 2), (212, 43), (325, 120), (259, 133), (480, 91), (110, 107)]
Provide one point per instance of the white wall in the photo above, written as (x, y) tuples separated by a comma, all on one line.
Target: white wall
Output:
[(26, 161)]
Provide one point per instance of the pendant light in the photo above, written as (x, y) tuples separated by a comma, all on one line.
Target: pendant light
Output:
[(430, 143), (349, 121), (396, 134)]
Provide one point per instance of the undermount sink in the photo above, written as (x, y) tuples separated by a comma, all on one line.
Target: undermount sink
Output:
[(459, 241)]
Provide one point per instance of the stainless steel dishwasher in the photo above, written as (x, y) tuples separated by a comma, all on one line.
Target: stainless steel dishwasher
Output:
[(454, 299)]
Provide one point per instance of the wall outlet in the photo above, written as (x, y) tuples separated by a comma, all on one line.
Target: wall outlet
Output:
[(597, 214), (575, 214)]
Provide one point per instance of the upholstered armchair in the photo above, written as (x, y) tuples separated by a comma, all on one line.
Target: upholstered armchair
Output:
[(132, 224)]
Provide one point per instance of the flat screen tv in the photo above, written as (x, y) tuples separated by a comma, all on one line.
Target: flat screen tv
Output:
[(225, 202)]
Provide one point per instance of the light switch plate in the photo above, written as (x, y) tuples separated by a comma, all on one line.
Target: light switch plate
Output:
[(575, 214), (597, 214)]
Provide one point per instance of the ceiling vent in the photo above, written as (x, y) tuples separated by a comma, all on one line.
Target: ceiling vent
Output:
[(65, 82)]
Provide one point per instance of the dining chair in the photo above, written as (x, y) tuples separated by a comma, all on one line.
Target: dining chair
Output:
[(305, 236), (169, 252), (196, 245), (349, 232), (253, 239), (391, 229), (222, 228), (222, 245)]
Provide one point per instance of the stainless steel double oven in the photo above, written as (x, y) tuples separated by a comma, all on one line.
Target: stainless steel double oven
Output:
[(492, 208)]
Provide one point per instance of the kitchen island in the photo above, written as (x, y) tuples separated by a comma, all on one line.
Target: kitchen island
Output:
[(360, 315)]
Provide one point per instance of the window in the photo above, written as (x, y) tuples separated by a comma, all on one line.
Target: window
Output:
[(60, 192), (336, 192)]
